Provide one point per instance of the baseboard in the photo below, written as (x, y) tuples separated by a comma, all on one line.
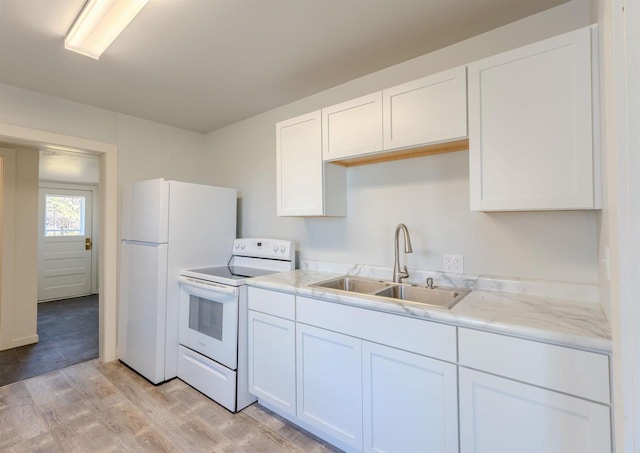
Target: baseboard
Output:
[(22, 341)]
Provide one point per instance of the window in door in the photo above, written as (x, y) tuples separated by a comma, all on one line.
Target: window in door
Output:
[(64, 215)]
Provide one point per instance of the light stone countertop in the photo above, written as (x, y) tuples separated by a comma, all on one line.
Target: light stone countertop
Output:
[(557, 321)]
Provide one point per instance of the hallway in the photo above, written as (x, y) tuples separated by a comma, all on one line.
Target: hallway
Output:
[(68, 333)]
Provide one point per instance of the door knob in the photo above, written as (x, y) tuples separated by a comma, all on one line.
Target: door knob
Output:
[(88, 244)]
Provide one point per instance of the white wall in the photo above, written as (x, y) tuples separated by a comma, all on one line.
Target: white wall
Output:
[(148, 150), (34, 110), (19, 246), (429, 194), (144, 150), (618, 224)]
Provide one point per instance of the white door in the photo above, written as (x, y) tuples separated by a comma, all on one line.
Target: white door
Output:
[(65, 243), (352, 128), (272, 360), (530, 127), (209, 320), (410, 402), (142, 309), (499, 415), (329, 383), (299, 165), (428, 110)]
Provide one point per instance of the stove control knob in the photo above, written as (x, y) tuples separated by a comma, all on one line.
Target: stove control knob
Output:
[(282, 248), (242, 246), (237, 245), (275, 248)]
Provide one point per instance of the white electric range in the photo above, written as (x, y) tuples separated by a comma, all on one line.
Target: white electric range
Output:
[(213, 319)]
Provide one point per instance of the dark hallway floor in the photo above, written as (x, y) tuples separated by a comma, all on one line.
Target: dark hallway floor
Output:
[(68, 333)]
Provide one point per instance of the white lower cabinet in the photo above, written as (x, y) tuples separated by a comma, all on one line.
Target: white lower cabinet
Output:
[(272, 361), (410, 402), (366, 380), (500, 415), (329, 378)]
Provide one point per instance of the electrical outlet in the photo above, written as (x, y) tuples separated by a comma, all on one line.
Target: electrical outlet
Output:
[(454, 264)]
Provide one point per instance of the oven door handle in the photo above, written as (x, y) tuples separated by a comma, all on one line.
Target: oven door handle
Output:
[(207, 286)]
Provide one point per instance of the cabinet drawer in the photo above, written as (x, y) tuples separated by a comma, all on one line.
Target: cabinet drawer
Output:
[(209, 377), (581, 373), (410, 334), (273, 303)]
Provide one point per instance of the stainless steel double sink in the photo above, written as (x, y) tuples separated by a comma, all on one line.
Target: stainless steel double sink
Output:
[(440, 296)]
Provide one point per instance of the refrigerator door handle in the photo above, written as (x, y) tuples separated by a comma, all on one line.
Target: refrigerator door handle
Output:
[(207, 286)]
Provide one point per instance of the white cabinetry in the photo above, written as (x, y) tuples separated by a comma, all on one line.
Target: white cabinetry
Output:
[(305, 185), (329, 382), (499, 415), (352, 128), (272, 365), (417, 114), (531, 134), (409, 402), (366, 380), (403, 401), (272, 349), (428, 110), (535, 398)]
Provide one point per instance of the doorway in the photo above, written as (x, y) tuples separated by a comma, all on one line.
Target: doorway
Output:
[(15, 324), (67, 312)]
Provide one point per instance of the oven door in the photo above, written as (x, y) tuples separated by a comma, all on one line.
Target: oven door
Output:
[(209, 320)]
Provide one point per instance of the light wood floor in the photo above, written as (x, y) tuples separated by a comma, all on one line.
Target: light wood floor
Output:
[(96, 407)]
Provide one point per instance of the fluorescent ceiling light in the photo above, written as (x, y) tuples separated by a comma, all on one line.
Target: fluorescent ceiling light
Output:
[(99, 24)]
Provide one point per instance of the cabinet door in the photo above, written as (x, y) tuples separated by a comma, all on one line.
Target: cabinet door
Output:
[(299, 165), (352, 128), (272, 361), (410, 402), (428, 110), (329, 383), (499, 415), (530, 127), (305, 185)]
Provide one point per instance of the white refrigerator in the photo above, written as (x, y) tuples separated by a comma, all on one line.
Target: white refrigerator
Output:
[(167, 226)]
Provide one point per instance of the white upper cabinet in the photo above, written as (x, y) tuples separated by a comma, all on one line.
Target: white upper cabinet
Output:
[(305, 185), (428, 110), (531, 135), (352, 128)]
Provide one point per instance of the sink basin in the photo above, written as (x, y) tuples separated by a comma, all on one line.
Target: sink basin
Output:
[(439, 297), (443, 297), (353, 285)]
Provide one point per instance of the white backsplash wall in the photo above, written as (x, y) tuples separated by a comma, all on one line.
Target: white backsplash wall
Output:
[(429, 194)]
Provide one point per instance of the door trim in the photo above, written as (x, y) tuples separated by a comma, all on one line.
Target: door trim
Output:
[(108, 218)]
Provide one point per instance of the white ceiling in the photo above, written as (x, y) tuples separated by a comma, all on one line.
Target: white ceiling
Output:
[(203, 64)]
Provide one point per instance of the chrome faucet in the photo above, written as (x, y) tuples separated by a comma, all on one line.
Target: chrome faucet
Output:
[(399, 274)]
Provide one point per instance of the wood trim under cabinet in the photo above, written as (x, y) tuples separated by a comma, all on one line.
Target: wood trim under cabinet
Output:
[(387, 156)]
